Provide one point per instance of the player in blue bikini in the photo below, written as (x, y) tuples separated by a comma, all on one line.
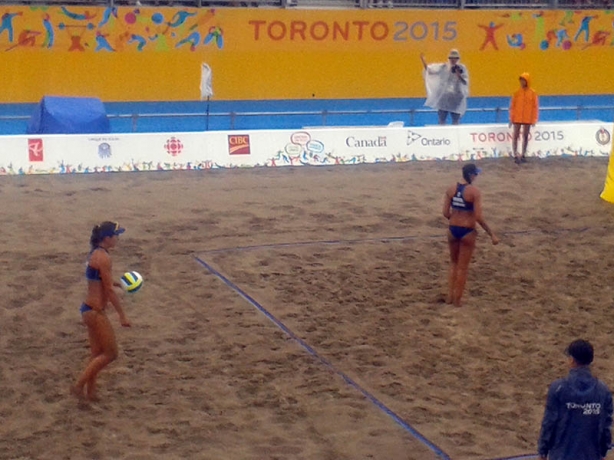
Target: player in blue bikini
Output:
[(462, 206), (100, 291)]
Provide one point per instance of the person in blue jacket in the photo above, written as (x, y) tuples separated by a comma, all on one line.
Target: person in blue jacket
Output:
[(578, 415)]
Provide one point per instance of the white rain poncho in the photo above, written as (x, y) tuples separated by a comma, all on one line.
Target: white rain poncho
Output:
[(444, 90)]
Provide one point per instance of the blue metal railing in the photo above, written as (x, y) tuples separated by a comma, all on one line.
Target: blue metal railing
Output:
[(297, 119)]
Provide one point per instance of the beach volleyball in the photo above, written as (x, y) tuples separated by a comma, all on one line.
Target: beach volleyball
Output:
[(131, 281)]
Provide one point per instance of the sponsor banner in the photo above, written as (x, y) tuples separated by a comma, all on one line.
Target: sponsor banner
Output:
[(335, 146), (15, 152), (59, 154), (361, 145), (432, 143), (551, 139), (50, 154)]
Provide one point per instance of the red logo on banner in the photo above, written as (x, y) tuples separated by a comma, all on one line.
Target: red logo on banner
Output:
[(35, 149), (173, 146), (238, 144)]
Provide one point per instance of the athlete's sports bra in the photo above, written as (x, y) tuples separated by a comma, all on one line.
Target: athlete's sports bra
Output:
[(91, 273), (458, 201)]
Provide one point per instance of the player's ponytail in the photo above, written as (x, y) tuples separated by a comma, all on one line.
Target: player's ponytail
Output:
[(95, 237)]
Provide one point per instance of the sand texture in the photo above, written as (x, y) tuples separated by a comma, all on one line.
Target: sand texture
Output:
[(319, 319)]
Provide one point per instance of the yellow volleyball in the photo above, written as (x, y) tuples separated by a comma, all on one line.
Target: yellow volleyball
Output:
[(131, 281)]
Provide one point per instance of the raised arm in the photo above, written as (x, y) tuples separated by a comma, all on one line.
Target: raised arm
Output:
[(106, 276), (423, 60)]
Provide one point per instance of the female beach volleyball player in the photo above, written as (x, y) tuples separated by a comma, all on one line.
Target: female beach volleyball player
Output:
[(462, 206), (99, 293)]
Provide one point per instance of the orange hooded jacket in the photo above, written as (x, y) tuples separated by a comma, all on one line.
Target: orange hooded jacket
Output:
[(525, 106)]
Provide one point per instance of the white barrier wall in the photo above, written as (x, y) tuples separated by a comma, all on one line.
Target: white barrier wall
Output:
[(59, 154)]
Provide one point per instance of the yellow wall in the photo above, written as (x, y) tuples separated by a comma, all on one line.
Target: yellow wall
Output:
[(129, 54)]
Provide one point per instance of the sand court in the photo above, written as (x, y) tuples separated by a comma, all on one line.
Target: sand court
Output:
[(352, 260)]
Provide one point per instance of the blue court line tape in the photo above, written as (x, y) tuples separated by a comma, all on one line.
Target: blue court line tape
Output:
[(521, 457), (319, 242), (406, 426), (389, 239), (375, 401)]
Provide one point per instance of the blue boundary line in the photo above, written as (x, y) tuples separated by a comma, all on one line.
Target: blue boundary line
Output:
[(521, 457), (406, 426), (440, 453), (388, 239)]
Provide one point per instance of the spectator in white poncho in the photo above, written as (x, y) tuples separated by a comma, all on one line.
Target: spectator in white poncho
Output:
[(447, 87)]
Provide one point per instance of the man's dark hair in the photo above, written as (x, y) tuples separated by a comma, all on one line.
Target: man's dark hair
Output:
[(581, 351)]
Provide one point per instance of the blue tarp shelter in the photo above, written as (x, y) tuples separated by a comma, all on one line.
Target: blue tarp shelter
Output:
[(69, 115)]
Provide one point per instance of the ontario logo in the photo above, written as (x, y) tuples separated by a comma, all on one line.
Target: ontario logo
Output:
[(603, 136), (412, 137), (173, 146), (238, 144), (35, 149)]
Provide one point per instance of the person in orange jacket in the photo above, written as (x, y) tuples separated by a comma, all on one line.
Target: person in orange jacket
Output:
[(524, 111)]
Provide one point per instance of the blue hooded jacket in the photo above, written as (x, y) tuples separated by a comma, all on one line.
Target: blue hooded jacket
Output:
[(577, 419)]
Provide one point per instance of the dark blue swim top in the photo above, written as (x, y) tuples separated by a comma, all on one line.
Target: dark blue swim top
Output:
[(458, 200), (91, 273)]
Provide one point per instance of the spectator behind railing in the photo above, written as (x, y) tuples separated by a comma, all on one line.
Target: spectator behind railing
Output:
[(447, 87)]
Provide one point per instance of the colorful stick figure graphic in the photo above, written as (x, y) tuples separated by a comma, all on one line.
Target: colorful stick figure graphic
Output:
[(7, 24), (562, 39), (49, 33), (107, 15), (215, 34), (179, 18), (102, 43), (516, 41), (584, 28), (78, 17), (75, 39), (567, 19), (490, 30), (26, 38), (141, 42), (193, 39), (599, 39), (540, 26), (550, 37)]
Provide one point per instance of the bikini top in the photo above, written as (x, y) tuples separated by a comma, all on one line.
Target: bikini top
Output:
[(458, 201), (91, 273)]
